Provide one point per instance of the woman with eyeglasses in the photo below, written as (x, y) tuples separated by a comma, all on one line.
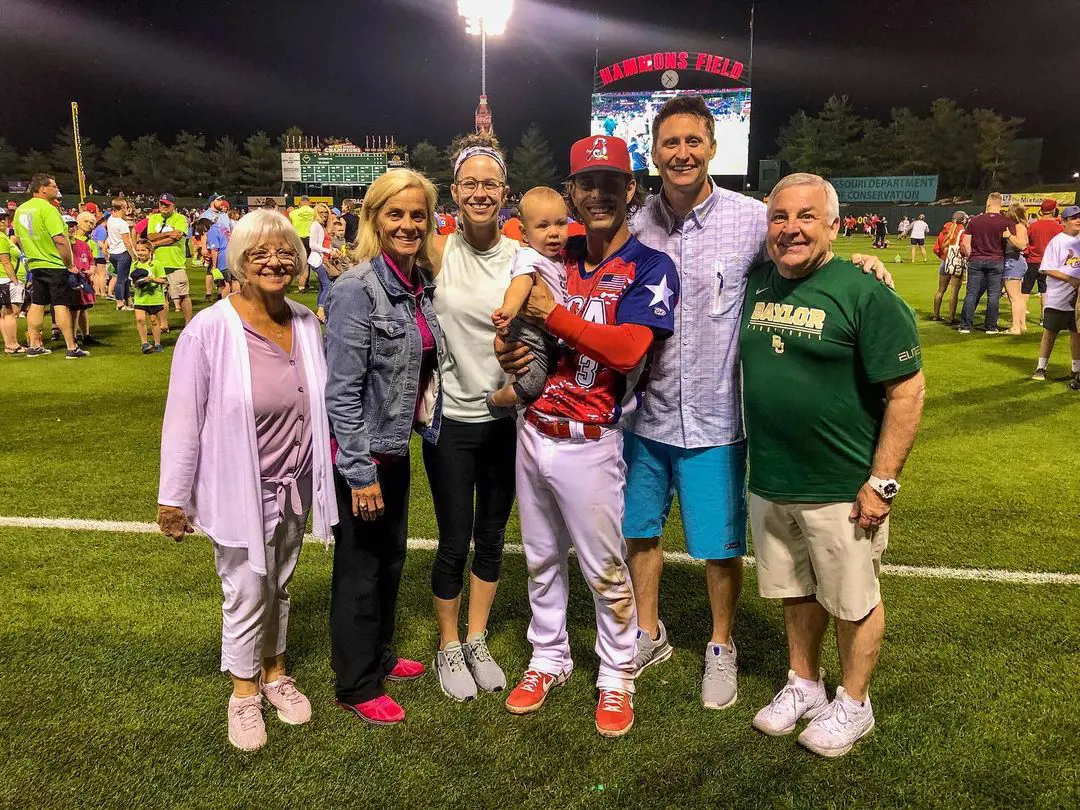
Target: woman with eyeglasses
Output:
[(245, 456), (471, 469)]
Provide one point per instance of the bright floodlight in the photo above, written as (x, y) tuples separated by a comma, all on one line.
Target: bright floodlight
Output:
[(485, 16)]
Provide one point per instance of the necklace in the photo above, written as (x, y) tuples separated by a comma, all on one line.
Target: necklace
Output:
[(268, 324)]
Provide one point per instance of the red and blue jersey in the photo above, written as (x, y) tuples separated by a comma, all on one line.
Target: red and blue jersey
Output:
[(636, 284)]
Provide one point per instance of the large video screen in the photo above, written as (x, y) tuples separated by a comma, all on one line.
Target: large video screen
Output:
[(630, 115)]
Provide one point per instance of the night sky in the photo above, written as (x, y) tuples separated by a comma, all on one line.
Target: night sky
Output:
[(354, 67)]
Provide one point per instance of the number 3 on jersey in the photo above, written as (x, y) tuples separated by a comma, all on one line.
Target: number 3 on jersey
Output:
[(593, 312)]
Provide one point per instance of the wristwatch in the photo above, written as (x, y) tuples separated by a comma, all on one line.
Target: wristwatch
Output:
[(885, 487)]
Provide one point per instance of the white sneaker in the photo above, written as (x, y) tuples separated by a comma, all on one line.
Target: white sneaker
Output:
[(840, 726), (790, 705)]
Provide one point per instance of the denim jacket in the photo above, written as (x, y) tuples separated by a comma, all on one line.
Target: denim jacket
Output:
[(373, 358)]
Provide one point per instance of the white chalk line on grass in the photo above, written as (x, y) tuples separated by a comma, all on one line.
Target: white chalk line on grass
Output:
[(427, 544)]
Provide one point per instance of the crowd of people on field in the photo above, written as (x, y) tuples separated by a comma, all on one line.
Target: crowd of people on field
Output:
[(1006, 249), (589, 378)]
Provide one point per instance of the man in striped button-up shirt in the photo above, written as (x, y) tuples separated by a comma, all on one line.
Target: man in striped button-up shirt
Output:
[(687, 438)]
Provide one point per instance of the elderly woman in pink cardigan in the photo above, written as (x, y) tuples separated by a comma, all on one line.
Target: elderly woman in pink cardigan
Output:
[(245, 455)]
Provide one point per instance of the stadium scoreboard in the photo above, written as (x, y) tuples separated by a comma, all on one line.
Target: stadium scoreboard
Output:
[(334, 170)]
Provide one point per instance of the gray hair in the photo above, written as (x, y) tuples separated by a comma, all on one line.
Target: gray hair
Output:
[(832, 202), (959, 216), (254, 229)]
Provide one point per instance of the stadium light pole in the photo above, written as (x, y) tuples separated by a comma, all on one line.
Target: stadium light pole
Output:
[(483, 17)]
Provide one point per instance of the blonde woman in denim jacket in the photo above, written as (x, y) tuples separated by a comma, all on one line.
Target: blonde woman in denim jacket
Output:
[(383, 353)]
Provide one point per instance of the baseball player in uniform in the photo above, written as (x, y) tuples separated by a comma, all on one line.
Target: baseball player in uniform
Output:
[(570, 473)]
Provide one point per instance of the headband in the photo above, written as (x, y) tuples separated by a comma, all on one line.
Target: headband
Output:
[(473, 151)]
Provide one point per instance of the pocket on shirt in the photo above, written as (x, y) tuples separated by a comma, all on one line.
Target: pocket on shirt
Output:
[(388, 337), (728, 283)]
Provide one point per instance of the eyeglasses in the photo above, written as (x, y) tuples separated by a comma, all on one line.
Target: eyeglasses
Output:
[(263, 256), (470, 185)]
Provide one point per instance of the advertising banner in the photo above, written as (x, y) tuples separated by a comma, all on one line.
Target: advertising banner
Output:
[(915, 188), (1033, 199)]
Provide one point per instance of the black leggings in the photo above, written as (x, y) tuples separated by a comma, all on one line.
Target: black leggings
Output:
[(471, 462), (368, 559)]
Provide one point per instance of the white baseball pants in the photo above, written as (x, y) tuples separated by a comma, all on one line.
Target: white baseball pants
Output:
[(570, 495), (255, 613)]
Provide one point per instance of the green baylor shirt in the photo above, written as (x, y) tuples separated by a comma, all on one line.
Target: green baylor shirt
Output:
[(816, 353)]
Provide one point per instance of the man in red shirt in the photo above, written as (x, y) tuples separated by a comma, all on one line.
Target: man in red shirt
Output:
[(984, 245), (1040, 232)]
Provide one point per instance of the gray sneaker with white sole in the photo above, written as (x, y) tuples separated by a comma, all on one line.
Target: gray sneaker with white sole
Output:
[(454, 677), (720, 685), (651, 651), (487, 674)]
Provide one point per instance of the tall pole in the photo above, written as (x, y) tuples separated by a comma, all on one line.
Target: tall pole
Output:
[(750, 65), (483, 59), (78, 151)]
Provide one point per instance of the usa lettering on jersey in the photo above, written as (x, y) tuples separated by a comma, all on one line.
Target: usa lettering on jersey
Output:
[(635, 285)]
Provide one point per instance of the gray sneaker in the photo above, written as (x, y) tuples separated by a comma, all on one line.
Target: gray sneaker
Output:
[(650, 651), (487, 674), (454, 677), (720, 686)]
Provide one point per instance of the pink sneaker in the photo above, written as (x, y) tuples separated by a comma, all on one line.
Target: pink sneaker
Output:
[(382, 711), (292, 707), (406, 670), (247, 731)]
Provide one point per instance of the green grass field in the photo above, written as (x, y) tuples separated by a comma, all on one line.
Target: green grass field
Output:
[(111, 695)]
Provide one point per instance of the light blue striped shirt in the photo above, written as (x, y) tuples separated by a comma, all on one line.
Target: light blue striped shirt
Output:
[(694, 397)]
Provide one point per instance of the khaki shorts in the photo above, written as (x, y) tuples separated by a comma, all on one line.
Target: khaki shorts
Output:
[(178, 284), (813, 549)]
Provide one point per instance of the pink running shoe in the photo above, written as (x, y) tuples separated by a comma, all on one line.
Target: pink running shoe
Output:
[(247, 731), (292, 707), (406, 670), (382, 711)]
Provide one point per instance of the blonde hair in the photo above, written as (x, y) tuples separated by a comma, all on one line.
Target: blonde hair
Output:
[(319, 208), (86, 216), (255, 228), (1018, 212), (539, 194), (994, 197), (368, 243)]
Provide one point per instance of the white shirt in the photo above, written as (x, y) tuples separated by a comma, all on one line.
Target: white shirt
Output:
[(469, 287), (116, 226), (919, 229), (315, 240), (553, 272), (1063, 255)]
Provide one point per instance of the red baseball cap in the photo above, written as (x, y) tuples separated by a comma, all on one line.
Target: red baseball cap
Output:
[(92, 208), (1048, 205), (602, 153)]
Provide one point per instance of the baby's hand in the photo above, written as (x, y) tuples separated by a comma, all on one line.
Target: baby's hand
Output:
[(501, 318)]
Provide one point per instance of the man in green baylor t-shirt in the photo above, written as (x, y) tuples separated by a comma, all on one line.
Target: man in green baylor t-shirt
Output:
[(832, 392), (167, 232)]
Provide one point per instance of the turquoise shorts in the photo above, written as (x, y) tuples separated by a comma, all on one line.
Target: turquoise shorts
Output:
[(710, 483)]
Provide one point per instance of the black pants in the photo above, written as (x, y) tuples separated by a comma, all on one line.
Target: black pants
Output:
[(473, 463), (368, 559)]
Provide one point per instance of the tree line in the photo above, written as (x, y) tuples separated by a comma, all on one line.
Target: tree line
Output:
[(968, 150), (191, 166)]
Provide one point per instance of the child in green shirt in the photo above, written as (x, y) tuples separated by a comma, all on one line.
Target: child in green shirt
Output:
[(149, 281)]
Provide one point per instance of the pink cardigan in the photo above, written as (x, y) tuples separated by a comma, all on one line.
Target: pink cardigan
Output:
[(209, 452)]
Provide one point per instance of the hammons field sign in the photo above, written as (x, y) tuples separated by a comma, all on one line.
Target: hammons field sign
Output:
[(914, 188)]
